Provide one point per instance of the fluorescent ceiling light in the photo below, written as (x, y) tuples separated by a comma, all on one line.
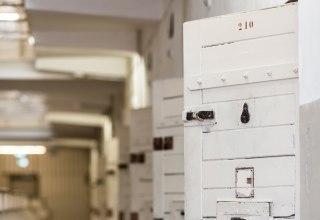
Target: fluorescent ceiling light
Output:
[(26, 134), (22, 162), (11, 2), (14, 27), (14, 36), (9, 16), (20, 149), (12, 13)]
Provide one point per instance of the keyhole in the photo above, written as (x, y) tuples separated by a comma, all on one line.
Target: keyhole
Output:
[(245, 116)]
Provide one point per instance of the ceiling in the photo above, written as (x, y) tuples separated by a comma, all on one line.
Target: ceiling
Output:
[(70, 35), (77, 95), (140, 10), (107, 24)]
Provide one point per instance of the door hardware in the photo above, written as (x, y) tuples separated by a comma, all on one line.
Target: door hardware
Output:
[(200, 115), (245, 116)]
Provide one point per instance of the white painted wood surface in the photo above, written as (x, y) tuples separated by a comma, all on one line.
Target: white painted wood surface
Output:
[(247, 210), (262, 25), (252, 90), (268, 172), (249, 143), (174, 183), (173, 164), (282, 199), (141, 130), (168, 164), (177, 211), (169, 199), (112, 179), (141, 172), (226, 68), (280, 48)]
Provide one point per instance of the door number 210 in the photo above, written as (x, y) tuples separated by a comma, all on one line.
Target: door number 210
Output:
[(245, 25)]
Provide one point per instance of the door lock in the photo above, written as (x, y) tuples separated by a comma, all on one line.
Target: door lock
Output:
[(200, 115), (245, 116)]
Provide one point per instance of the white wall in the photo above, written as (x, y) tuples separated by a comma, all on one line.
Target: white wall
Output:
[(166, 52), (103, 67), (124, 9), (14, 50), (23, 70), (197, 10), (310, 107), (310, 151), (309, 50)]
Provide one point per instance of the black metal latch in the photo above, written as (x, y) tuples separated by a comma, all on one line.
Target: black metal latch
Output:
[(200, 115), (237, 218)]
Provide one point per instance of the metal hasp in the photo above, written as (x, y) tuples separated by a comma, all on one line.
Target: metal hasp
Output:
[(201, 115)]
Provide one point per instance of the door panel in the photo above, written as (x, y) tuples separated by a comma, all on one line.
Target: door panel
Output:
[(249, 143), (282, 199)]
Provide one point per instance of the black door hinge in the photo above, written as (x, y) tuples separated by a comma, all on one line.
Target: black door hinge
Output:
[(157, 144), (160, 144), (123, 166), (168, 143), (137, 158)]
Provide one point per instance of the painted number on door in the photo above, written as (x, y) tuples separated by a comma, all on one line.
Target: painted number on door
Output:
[(245, 25)]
